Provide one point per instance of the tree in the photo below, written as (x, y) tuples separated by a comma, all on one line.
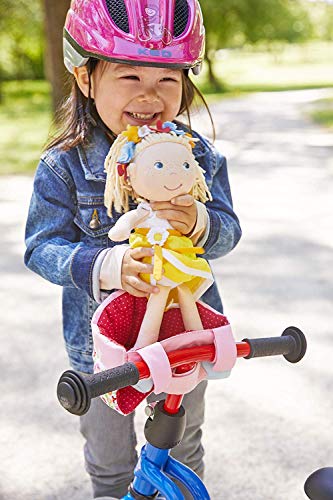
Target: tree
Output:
[(321, 14), (232, 23), (21, 39), (55, 14)]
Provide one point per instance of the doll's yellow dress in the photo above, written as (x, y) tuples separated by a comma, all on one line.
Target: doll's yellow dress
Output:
[(179, 257)]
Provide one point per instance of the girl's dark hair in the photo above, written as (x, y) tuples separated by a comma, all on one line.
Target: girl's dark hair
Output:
[(77, 115)]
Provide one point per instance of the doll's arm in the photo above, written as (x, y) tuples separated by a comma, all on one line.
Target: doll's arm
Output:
[(124, 225)]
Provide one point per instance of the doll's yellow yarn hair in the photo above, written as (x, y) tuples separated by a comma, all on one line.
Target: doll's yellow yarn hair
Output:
[(118, 189)]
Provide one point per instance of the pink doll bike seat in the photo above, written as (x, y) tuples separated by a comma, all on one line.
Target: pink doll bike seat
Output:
[(115, 326)]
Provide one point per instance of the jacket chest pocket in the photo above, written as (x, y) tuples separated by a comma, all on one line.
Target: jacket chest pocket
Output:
[(92, 219)]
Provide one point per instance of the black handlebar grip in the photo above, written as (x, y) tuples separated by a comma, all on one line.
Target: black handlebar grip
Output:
[(76, 390), (292, 344), (319, 486)]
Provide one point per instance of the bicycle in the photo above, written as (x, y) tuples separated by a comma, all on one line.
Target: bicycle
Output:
[(165, 426)]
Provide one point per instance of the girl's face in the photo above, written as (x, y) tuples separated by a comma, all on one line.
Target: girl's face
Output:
[(135, 95), (163, 171)]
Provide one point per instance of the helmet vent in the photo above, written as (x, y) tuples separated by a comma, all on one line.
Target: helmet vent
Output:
[(118, 13), (181, 17)]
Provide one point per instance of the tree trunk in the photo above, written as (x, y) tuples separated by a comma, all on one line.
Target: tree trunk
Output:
[(1, 88), (55, 14), (215, 84)]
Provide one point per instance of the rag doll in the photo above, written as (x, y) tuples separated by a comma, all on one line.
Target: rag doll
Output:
[(157, 164)]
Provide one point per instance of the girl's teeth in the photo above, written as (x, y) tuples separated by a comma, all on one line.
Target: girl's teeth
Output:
[(141, 116)]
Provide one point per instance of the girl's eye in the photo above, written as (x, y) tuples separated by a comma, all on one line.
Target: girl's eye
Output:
[(186, 165), (170, 79), (130, 77), (158, 165)]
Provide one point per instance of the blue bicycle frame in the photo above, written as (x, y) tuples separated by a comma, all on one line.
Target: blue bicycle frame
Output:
[(153, 471)]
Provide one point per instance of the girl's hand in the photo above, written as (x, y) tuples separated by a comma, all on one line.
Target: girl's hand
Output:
[(181, 212), (132, 267)]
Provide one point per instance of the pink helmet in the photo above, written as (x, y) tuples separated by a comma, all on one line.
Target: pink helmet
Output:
[(167, 33)]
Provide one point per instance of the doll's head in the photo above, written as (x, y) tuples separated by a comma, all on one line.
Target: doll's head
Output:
[(154, 164)]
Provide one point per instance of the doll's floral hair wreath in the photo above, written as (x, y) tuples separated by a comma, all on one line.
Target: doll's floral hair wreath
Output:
[(135, 135), (118, 187)]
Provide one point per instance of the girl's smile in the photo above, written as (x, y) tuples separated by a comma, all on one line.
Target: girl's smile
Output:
[(136, 118)]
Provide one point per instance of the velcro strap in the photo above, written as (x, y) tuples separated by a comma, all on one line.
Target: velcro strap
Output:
[(186, 382), (225, 348), (157, 360), (107, 352)]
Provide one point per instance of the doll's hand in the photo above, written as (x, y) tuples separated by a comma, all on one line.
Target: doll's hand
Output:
[(119, 232), (124, 225), (132, 267), (181, 212)]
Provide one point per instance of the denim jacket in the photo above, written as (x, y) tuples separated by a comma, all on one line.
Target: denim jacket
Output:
[(62, 245)]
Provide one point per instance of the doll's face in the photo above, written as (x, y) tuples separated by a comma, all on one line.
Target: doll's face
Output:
[(163, 171)]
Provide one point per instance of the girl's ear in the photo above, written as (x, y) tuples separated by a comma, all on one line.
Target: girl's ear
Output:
[(82, 79)]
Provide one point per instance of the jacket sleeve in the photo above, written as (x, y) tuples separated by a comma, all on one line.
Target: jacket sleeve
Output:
[(54, 250), (224, 227)]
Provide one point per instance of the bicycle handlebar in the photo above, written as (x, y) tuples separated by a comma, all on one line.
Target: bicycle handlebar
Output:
[(75, 390)]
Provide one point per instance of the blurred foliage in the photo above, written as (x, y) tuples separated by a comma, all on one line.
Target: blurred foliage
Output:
[(284, 67), (229, 23), (25, 118), (21, 39), (233, 23), (321, 15)]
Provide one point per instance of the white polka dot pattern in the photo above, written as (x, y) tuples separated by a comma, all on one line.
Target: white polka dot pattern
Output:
[(120, 322)]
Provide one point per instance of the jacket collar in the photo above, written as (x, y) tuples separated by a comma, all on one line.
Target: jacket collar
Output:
[(92, 156)]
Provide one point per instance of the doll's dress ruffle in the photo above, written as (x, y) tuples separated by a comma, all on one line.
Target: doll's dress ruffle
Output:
[(180, 264)]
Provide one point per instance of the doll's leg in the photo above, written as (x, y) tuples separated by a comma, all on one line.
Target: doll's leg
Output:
[(188, 308), (151, 323)]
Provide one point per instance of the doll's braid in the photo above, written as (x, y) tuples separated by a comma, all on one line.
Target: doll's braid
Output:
[(117, 189)]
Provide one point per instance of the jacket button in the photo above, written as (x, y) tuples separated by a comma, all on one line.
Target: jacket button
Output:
[(95, 222)]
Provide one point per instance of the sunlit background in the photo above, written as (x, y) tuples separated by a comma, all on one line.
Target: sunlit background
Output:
[(268, 79)]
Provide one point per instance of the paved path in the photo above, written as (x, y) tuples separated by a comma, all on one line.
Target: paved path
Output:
[(269, 425)]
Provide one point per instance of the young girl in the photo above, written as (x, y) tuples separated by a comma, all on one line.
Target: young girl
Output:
[(131, 62)]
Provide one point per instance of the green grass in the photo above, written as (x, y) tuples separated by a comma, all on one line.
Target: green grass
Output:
[(287, 67), (25, 113), (24, 122), (323, 113)]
